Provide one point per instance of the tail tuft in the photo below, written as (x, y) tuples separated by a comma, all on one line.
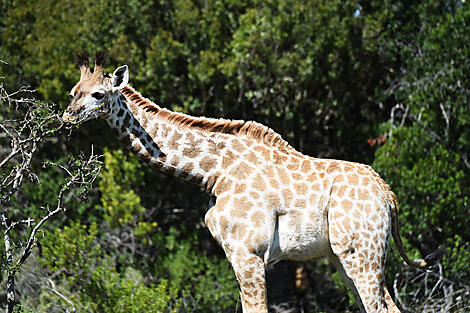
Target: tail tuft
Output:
[(432, 258)]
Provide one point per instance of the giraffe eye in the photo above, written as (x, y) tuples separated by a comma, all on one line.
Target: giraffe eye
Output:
[(98, 95)]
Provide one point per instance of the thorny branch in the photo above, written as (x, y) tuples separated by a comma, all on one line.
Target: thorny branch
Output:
[(440, 293), (84, 175), (33, 124)]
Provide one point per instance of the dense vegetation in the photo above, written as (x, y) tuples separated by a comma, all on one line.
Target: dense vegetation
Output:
[(380, 82)]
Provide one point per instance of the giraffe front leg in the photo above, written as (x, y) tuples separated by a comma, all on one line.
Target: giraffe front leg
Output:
[(243, 247), (250, 272)]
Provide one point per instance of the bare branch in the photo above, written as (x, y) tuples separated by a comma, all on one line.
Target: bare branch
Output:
[(25, 135), (85, 174), (54, 290)]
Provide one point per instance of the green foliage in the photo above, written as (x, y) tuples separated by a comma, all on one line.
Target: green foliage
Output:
[(118, 199), (109, 292), (208, 281), (74, 250), (73, 247)]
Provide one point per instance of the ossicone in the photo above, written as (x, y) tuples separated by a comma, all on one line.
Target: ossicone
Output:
[(82, 60), (100, 59), (84, 65)]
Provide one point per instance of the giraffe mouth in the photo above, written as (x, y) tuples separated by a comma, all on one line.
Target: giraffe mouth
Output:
[(83, 116)]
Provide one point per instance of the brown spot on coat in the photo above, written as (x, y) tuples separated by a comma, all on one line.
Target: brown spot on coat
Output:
[(242, 203), (312, 177), (353, 179), (240, 188), (319, 165), (313, 199), (241, 171), (342, 190), (145, 156), (269, 171), (273, 200), (306, 167), (228, 159), (258, 218), (283, 176), (175, 160), (274, 183), (223, 222), (187, 168), (173, 143), (363, 194), (207, 163), (223, 201), (294, 164), (295, 219), (254, 195), (346, 204), (212, 180), (259, 183), (332, 167), (239, 230), (264, 152), (317, 186), (278, 158), (223, 186), (301, 188), (241, 207), (287, 197), (352, 193), (237, 145), (339, 178), (251, 157), (191, 152), (300, 203)]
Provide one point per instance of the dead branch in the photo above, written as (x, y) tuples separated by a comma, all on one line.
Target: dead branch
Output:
[(24, 135)]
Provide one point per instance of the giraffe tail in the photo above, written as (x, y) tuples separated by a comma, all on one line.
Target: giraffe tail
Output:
[(428, 260)]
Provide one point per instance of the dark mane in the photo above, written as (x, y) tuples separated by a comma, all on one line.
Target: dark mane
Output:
[(233, 127)]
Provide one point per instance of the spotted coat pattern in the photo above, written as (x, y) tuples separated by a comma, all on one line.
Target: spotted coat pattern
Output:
[(268, 201)]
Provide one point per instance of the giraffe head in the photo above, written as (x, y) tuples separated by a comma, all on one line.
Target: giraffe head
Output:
[(93, 95)]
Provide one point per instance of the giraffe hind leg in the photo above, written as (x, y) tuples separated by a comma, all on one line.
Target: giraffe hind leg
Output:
[(358, 251), (334, 259), (365, 282), (391, 306)]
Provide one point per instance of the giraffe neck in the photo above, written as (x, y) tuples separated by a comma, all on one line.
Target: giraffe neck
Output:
[(183, 152)]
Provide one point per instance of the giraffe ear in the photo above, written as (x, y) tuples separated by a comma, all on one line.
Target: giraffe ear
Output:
[(120, 77)]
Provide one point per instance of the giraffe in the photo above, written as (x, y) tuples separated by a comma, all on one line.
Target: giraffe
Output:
[(268, 202)]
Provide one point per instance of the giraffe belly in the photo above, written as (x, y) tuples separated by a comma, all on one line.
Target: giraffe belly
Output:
[(300, 234)]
